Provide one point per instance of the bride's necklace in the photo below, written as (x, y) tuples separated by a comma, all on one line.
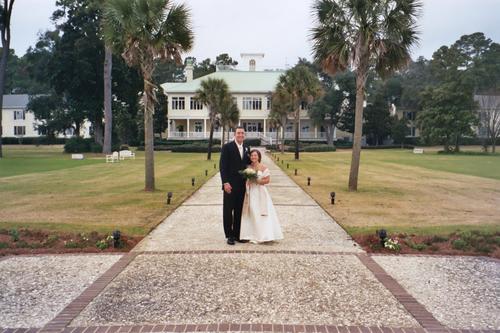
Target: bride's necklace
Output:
[(256, 166)]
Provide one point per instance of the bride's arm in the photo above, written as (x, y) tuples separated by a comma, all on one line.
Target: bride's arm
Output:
[(264, 180)]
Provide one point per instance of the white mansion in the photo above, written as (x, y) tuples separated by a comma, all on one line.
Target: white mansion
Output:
[(188, 119)]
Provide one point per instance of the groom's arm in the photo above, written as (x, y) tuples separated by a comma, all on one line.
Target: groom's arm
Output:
[(224, 165)]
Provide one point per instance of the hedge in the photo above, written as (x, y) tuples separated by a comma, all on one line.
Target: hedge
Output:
[(81, 145), (195, 149), (36, 140)]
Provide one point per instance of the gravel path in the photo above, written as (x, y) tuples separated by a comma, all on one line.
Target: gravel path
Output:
[(197, 223), (35, 289), (461, 292), (246, 288)]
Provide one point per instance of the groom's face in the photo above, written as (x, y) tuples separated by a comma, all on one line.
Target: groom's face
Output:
[(239, 136)]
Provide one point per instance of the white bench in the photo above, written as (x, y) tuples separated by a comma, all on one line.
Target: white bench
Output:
[(113, 157), (77, 156), (418, 150), (126, 154)]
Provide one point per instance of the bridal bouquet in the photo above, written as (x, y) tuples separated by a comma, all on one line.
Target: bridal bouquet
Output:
[(249, 174)]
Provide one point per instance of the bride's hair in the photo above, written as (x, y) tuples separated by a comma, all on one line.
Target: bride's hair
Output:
[(258, 153)]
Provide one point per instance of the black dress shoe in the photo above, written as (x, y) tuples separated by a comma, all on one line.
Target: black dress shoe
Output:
[(230, 241), (242, 240)]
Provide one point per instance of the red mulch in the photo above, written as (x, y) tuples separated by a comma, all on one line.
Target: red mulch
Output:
[(371, 244), (40, 242)]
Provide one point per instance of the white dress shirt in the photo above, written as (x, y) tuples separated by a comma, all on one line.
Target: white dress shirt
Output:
[(240, 148)]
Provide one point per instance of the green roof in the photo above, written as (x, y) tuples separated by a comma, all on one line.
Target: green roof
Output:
[(238, 82)]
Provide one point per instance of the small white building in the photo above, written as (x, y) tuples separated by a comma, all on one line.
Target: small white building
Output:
[(188, 119), (18, 121)]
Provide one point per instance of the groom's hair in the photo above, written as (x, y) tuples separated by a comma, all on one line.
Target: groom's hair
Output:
[(258, 153), (239, 127)]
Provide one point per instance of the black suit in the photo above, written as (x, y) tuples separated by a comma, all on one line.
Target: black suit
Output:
[(230, 165)]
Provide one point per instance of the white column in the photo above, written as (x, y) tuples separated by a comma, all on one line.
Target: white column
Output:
[(187, 132), (334, 132), (315, 132), (300, 129), (170, 122), (265, 127), (205, 128)]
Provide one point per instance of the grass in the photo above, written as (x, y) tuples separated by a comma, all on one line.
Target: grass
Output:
[(42, 188), (429, 194)]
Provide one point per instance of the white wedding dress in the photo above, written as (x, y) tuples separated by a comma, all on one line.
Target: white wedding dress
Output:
[(259, 221)]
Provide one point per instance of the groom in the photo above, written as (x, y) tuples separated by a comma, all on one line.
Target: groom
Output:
[(235, 156)]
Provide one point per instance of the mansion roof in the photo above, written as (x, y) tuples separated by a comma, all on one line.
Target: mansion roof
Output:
[(238, 82), (18, 101)]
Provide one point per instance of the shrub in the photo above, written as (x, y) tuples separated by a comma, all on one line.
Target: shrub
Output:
[(3, 245), (195, 148), (14, 235), (438, 239), (22, 244), (71, 244), (459, 244), (483, 248), (95, 147), (319, 148), (51, 240), (77, 145), (253, 142), (102, 244)]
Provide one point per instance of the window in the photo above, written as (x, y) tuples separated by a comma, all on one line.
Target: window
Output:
[(411, 131), (303, 105), (19, 130), (197, 126), (19, 115), (252, 103), (410, 115), (178, 103), (305, 128), (269, 103), (195, 104)]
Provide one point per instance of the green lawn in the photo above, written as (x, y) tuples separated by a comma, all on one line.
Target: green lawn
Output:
[(19, 160), (43, 188), (402, 191)]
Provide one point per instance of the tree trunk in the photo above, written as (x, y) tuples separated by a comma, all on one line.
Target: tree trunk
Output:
[(329, 134), (457, 143), (358, 128), (3, 69), (98, 137), (149, 99), (108, 116), (222, 137), (297, 118), (77, 129), (210, 140)]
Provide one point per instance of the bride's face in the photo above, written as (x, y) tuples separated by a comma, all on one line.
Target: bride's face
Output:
[(254, 157)]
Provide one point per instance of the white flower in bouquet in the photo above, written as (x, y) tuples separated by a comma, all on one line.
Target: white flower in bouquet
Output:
[(249, 174)]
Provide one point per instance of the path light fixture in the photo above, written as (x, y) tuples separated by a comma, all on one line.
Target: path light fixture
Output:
[(278, 159), (287, 165), (295, 172), (282, 162), (169, 197), (192, 181), (332, 197), (206, 173), (215, 166), (116, 238), (382, 234), (308, 181)]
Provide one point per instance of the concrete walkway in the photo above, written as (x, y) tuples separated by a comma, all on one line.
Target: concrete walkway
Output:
[(197, 223)]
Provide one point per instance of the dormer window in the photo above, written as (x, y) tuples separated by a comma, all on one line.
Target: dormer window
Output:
[(252, 65)]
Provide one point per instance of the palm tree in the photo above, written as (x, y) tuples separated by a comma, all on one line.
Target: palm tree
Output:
[(213, 94), (144, 31), (363, 34), (108, 111), (5, 15), (281, 107), (302, 86), (229, 116)]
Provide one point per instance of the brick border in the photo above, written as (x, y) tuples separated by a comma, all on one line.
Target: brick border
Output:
[(248, 327), (64, 318), (417, 310), (304, 252)]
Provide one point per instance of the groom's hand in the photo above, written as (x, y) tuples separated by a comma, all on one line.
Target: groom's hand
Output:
[(227, 188)]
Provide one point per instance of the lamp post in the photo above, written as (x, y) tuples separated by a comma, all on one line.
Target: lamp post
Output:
[(332, 197), (169, 197), (308, 181), (382, 234), (295, 172), (206, 173), (192, 181), (116, 238)]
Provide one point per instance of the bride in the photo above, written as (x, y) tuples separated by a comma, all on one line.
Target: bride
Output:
[(259, 221)]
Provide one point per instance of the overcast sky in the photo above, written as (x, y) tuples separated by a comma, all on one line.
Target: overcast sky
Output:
[(278, 28)]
